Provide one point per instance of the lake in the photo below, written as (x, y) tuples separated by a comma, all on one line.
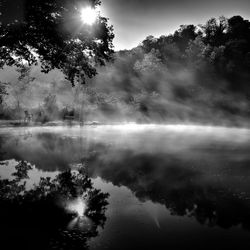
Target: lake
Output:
[(167, 186)]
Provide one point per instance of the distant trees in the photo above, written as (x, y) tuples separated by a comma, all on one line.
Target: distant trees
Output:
[(214, 32), (222, 44), (15, 95), (184, 35), (2, 91), (51, 32), (51, 110), (20, 90), (197, 68), (150, 62)]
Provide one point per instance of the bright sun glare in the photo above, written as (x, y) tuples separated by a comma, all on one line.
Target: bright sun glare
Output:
[(88, 15)]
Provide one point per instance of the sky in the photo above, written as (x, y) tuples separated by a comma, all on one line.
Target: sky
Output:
[(134, 20)]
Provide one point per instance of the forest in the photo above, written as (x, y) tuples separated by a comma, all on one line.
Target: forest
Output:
[(198, 74)]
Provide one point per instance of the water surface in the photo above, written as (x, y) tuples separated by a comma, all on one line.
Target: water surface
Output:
[(174, 186)]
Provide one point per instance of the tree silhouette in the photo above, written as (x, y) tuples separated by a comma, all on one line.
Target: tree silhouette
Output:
[(51, 32)]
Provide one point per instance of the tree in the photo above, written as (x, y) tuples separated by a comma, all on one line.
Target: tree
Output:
[(184, 35), (149, 63), (238, 44), (51, 32), (50, 107), (215, 31), (20, 90), (2, 92), (238, 28), (149, 43)]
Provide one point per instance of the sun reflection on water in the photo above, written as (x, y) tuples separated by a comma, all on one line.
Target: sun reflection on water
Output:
[(77, 206)]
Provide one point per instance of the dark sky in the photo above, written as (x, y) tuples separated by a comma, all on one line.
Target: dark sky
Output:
[(133, 20)]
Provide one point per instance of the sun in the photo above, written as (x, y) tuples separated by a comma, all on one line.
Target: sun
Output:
[(88, 15)]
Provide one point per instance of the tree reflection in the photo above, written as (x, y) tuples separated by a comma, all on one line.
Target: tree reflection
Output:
[(39, 219), (174, 182), (186, 185)]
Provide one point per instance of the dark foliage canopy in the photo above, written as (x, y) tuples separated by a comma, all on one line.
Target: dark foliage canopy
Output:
[(51, 32), (220, 45)]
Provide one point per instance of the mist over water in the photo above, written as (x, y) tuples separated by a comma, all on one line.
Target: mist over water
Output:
[(55, 148)]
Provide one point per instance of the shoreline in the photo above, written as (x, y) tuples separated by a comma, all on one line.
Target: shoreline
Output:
[(70, 123)]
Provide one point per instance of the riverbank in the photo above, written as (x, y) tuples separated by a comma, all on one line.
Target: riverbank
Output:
[(58, 123), (21, 123)]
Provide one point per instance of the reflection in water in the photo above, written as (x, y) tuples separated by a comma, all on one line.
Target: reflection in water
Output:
[(202, 175), (77, 206), (183, 189), (40, 218)]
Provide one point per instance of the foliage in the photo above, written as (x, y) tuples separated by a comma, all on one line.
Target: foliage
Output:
[(198, 73), (21, 90), (223, 40), (51, 32), (3, 92), (50, 107)]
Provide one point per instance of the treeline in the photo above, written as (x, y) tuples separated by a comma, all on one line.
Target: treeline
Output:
[(221, 48), (197, 74)]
